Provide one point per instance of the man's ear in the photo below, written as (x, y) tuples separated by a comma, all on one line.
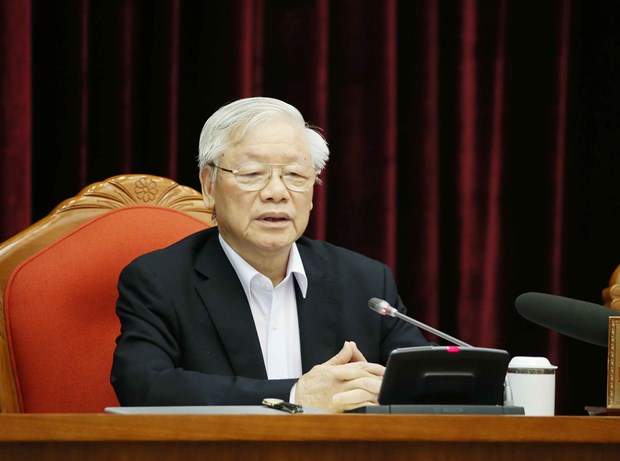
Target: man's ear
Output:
[(207, 187)]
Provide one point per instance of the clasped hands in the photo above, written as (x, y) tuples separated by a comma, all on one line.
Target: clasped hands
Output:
[(344, 382)]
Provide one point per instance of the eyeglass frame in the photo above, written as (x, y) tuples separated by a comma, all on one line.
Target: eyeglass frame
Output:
[(281, 166)]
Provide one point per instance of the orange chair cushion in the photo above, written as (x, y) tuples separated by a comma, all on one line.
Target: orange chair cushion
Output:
[(60, 307)]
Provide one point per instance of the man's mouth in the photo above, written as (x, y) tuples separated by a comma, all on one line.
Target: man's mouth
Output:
[(270, 217)]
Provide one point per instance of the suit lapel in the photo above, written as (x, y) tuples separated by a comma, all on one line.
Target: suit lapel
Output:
[(319, 314), (225, 300), (223, 296)]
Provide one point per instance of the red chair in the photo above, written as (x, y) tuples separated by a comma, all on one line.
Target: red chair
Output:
[(58, 289)]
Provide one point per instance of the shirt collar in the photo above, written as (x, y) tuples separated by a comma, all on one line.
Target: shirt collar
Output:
[(246, 273)]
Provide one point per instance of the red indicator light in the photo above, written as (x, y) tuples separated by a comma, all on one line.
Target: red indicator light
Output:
[(453, 349)]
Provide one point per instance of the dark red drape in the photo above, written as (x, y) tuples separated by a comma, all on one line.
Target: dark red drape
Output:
[(474, 142), (15, 117)]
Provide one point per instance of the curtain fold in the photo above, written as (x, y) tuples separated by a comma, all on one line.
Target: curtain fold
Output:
[(473, 142), (472, 218), (362, 110), (419, 162), (15, 117), (492, 260), (561, 106), (173, 85), (82, 89)]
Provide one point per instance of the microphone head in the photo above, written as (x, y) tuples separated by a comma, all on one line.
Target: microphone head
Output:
[(381, 306), (581, 320)]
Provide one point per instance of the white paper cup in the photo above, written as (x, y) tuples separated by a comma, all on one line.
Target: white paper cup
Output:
[(532, 382)]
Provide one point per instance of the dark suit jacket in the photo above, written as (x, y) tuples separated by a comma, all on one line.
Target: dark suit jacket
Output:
[(188, 336)]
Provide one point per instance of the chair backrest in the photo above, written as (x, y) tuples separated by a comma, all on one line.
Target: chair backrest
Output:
[(58, 289), (611, 294)]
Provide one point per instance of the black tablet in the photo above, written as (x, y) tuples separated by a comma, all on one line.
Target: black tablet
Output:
[(444, 375)]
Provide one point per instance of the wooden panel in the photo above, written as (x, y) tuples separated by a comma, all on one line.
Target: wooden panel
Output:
[(308, 437), (613, 365), (305, 451), (296, 428)]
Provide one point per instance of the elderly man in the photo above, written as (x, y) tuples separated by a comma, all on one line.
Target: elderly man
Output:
[(251, 309)]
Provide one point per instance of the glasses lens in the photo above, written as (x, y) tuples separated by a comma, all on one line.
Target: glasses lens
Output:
[(298, 177), (253, 176)]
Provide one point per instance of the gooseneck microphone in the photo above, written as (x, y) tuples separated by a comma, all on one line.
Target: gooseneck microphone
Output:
[(581, 320), (384, 308)]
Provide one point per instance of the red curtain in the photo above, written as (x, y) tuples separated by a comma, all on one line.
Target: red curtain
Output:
[(474, 142), (15, 117)]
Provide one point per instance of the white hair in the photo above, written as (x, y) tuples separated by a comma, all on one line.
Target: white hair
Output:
[(242, 115)]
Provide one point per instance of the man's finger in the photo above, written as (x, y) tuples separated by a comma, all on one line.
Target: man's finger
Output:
[(356, 355), (343, 356), (354, 398), (354, 370)]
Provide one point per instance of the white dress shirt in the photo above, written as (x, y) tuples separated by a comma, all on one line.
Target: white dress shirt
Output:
[(274, 310)]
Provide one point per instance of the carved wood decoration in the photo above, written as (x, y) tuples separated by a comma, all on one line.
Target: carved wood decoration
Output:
[(120, 191), (613, 364), (611, 294), (611, 299)]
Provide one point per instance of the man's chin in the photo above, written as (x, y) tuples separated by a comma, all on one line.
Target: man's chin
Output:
[(275, 242)]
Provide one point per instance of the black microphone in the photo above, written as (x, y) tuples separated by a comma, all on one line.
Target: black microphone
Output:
[(581, 320), (384, 308)]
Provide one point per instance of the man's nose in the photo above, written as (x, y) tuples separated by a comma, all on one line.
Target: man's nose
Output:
[(275, 185)]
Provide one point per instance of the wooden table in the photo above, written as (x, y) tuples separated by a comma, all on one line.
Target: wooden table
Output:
[(307, 437)]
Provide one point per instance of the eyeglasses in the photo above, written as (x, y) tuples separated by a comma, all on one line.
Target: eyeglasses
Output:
[(255, 176)]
